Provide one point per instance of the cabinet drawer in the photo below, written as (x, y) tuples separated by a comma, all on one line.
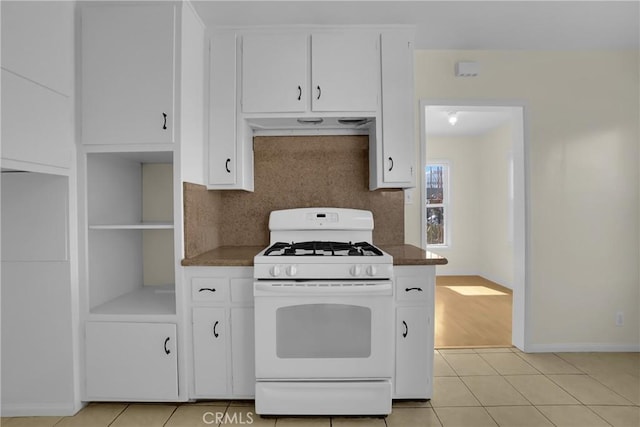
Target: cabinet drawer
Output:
[(210, 288), (412, 288), (242, 289)]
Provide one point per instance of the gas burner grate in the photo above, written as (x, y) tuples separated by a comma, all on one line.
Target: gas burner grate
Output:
[(322, 248)]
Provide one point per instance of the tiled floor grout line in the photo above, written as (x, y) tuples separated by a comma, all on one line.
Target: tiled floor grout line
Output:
[(170, 415)]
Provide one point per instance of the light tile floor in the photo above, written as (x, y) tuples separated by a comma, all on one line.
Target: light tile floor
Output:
[(472, 388)]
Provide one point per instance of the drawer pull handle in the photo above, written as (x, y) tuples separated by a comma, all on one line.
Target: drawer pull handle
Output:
[(207, 289), (413, 289), (406, 329), (164, 125), (166, 350), (215, 333)]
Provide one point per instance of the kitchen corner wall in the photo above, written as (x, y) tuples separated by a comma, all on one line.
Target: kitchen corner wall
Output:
[(292, 172)]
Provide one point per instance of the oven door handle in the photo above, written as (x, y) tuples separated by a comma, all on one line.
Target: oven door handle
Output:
[(266, 289)]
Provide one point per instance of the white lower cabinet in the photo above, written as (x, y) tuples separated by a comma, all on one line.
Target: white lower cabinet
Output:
[(242, 349), (415, 292), (131, 361), (222, 332), (412, 329), (210, 351)]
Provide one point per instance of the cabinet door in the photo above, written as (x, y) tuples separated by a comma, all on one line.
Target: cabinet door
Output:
[(242, 348), (413, 355), (210, 351), (345, 71), (222, 101), (274, 73), (131, 361), (398, 145), (128, 66)]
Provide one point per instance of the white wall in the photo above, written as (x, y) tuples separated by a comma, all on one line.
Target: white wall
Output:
[(461, 153), (479, 208), (496, 239), (581, 112)]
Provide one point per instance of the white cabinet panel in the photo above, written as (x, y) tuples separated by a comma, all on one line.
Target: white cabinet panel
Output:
[(37, 123), (210, 351), (274, 72), (131, 361), (128, 69), (34, 217), (37, 336), (412, 353), (242, 349), (345, 70), (38, 43), (398, 145)]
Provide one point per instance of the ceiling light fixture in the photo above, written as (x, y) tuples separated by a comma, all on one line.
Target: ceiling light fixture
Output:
[(453, 118)]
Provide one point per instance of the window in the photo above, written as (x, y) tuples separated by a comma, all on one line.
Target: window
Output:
[(437, 180)]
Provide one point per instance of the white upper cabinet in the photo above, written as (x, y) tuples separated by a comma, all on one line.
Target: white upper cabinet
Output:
[(345, 71), (319, 72), (394, 163), (128, 73), (230, 145), (275, 73)]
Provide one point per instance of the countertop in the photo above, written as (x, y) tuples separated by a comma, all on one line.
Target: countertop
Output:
[(239, 256)]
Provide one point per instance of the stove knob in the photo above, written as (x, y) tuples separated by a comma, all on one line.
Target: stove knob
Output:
[(355, 270), (371, 270), (292, 270), (274, 271)]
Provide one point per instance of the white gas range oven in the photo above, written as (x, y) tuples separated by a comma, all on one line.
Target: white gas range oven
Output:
[(324, 328)]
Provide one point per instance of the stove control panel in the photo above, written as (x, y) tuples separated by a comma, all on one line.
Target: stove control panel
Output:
[(303, 271)]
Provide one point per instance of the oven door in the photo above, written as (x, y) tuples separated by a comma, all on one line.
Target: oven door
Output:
[(323, 330)]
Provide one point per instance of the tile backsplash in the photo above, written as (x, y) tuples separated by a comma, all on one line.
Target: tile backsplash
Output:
[(292, 172)]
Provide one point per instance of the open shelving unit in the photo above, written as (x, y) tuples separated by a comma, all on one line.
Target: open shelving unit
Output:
[(130, 238)]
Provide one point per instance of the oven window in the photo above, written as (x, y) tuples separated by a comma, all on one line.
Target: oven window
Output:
[(323, 331)]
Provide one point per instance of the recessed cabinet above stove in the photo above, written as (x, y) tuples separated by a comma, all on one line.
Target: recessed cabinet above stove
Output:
[(311, 81)]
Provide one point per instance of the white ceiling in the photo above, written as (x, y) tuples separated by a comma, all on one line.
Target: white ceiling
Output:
[(533, 25)]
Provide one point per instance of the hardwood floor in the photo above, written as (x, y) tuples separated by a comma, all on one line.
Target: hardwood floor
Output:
[(477, 320)]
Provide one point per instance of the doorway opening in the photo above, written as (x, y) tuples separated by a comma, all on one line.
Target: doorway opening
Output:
[(473, 213)]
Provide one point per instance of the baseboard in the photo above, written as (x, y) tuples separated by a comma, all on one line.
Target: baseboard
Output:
[(40, 409), (582, 348)]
